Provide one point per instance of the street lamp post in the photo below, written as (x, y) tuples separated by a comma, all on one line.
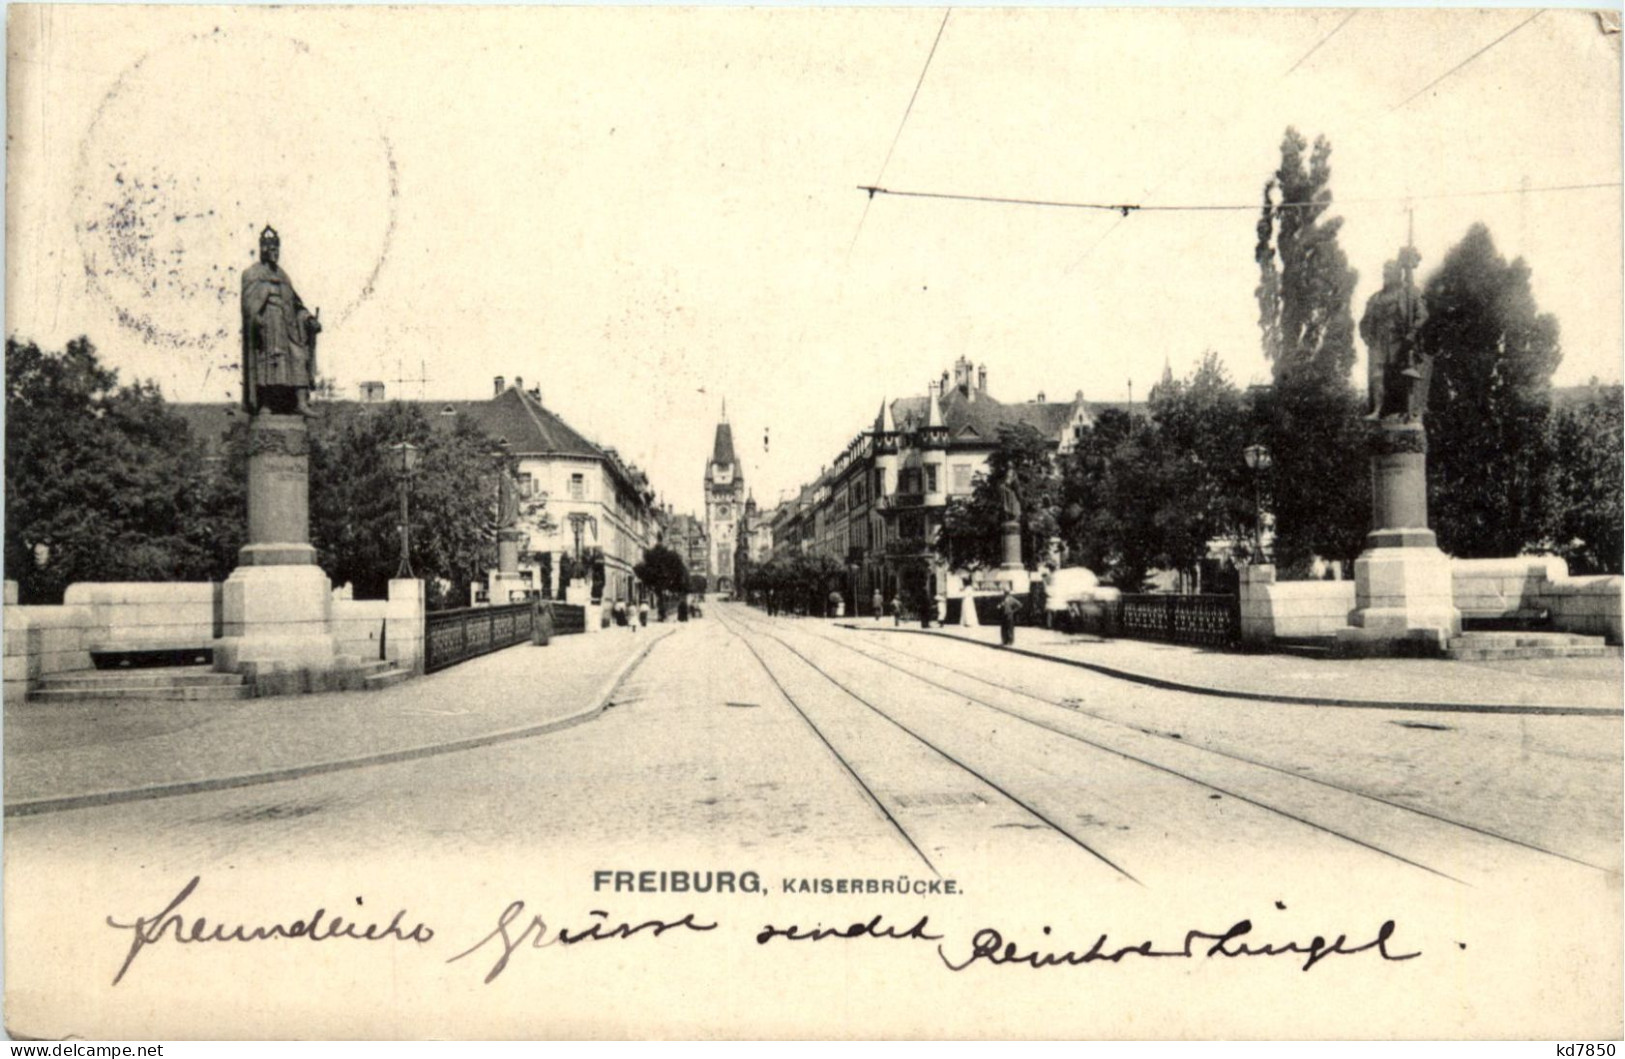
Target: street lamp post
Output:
[(403, 460), (1258, 461)]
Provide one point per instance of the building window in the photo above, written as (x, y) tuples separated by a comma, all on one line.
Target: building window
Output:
[(722, 511), (578, 487), (527, 485), (962, 474), (931, 478)]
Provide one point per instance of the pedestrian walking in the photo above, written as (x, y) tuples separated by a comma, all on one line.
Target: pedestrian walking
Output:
[(1008, 606), (879, 604), (896, 611), (643, 613), (541, 622), (682, 609)]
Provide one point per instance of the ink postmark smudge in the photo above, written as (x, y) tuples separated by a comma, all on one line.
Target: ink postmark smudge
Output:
[(200, 144)]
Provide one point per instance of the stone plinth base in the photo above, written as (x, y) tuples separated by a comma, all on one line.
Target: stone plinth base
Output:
[(1015, 577), (499, 589), (276, 631), (1404, 602)]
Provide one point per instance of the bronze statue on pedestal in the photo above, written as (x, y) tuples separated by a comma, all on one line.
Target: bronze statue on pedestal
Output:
[(279, 337), (1398, 372)]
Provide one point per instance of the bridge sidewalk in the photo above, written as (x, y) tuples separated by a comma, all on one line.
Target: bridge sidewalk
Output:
[(1549, 685), (60, 756)]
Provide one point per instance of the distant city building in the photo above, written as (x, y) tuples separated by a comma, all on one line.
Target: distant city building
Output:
[(685, 535), (881, 500)]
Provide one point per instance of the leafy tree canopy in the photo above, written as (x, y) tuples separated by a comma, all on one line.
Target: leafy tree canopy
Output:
[(1493, 488), (103, 482), (972, 526)]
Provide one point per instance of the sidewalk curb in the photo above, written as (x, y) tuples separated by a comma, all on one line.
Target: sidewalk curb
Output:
[(1257, 696), (601, 701)]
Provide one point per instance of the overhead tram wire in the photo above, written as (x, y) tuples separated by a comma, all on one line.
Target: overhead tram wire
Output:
[(1125, 208), (898, 135)]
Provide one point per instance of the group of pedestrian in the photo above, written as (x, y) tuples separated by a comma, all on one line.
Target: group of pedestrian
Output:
[(625, 614)]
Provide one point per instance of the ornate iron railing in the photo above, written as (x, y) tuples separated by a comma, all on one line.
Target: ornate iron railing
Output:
[(452, 636), (1206, 620)]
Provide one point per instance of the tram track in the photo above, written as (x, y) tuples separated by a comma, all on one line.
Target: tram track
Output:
[(1000, 789), (1184, 743), (1271, 789)]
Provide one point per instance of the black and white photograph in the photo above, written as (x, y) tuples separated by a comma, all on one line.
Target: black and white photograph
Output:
[(813, 523)]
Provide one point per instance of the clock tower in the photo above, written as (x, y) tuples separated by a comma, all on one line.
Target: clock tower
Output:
[(724, 506)]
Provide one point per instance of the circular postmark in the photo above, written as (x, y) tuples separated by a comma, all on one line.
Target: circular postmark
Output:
[(200, 144)]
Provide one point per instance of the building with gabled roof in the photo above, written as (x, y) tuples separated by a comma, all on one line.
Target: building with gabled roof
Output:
[(884, 495), (594, 507)]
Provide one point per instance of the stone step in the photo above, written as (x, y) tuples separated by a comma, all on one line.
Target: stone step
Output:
[(1524, 639), (387, 678), (137, 678), (168, 693), (1491, 654)]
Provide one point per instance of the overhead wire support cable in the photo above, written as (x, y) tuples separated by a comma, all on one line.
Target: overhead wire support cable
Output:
[(1335, 30), (1313, 48), (1467, 60), (898, 135)]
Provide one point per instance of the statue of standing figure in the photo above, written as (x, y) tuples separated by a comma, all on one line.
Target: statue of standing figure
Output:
[(1398, 372), (279, 337), (507, 496), (1008, 502)]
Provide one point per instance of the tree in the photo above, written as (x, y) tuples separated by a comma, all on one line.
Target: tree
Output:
[(1198, 470), (1493, 488), (1588, 445), (972, 526), (355, 507), (663, 571), (1320, 475), (103, 482)]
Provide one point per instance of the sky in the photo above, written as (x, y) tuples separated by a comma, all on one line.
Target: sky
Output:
[(647, 211)]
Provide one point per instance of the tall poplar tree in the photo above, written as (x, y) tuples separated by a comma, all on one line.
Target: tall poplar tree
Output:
[(1320, 476)]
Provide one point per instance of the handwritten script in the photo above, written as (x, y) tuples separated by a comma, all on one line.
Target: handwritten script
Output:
[(518, 929)]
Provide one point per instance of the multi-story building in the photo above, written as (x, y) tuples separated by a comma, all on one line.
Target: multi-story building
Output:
[(592, 506), (880, 502), (724, 506), (685, 535)]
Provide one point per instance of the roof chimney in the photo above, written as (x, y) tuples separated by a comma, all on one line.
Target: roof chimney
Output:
[(496, 386), (519, 382), (1040, 396), (944, 387), (981, 378)]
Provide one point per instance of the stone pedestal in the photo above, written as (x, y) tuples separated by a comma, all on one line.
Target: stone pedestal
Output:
[(1404, 602), (278, 493), (276, 607), (275, 619), (508, 542), (501, 586)]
